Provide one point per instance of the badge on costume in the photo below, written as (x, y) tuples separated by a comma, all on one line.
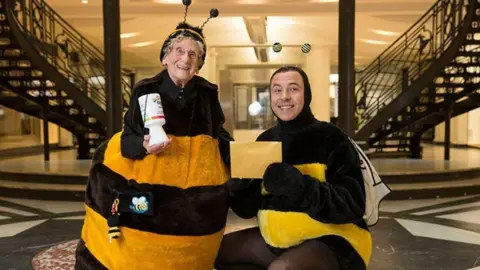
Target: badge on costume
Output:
[(138, 203)]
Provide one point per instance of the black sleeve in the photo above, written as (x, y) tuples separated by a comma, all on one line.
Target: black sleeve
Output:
[(224, 139), (245, 196), (341, 199), (133, 131)]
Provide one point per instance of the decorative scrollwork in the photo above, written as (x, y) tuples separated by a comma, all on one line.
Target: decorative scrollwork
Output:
[(65, 48)]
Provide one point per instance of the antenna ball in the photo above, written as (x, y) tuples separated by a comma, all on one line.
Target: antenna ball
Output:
[(213, 12), (187, 2)]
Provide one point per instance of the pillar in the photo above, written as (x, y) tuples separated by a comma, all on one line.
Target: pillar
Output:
[(209, 70), (346, 61), (65, 138), (317, 67), (46, 143), (448, 114), (113, 86)]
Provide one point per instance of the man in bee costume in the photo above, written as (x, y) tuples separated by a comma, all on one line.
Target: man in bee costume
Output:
[(162, 206), (309, 207)]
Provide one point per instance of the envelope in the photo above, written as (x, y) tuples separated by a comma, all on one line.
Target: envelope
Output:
[(251, 159)]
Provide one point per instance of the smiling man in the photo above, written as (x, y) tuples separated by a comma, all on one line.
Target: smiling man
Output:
[(310, 207), (287, 95)]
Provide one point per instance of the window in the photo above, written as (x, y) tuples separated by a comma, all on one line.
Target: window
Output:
[(252, 107)]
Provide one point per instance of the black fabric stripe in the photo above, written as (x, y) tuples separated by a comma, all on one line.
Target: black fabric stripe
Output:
[(347, 257), (84, 260), (194, 211), (277, 203)]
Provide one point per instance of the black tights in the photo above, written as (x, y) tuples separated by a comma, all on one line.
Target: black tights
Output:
[(247, 250)]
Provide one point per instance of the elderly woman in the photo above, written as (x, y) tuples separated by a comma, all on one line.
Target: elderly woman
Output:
[(162, 206)]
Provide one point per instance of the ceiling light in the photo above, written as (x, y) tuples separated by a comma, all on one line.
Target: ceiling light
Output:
[(168, 1), (385, 33), (143, 44), (84, 1), (377, 42), (252, 2), (129, 35), (280, 21), (333, 78), (255, 108)]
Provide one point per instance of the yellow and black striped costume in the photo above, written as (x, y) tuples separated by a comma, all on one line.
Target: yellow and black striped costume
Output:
[(330, 201), (186, 182)]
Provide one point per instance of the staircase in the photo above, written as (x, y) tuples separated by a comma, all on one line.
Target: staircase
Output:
[(48, 69), (428, 73)]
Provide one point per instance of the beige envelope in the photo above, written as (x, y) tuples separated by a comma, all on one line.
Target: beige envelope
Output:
[(250, 159)]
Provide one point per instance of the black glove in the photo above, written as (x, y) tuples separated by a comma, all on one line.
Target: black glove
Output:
[(237, 184), (244, 196), (282, 179)]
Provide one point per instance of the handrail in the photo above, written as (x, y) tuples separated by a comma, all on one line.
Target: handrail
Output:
[(406, 59), (64, 48)]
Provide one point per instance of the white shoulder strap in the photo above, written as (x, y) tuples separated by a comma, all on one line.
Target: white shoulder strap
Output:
[(375, 189)]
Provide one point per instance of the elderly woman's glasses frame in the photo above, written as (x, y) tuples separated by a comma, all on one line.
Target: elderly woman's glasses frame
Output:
[(179, 51)]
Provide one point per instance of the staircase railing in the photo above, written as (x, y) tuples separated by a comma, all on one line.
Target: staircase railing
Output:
[(66, 49), (404, 61)]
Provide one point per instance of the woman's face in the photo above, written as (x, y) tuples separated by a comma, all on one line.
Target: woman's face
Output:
[(182, 60)]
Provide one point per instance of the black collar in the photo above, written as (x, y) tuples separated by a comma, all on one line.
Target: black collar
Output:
[(169, 88), (305, 118)]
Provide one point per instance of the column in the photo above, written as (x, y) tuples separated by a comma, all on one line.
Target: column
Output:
[(65, 138), (209, 69), (474, 127), (113, 86), (226, 99), (346, 72), (317, 67), (448, 114), (46, 143)]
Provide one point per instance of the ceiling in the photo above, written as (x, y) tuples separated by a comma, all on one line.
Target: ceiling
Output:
[(290, 22)]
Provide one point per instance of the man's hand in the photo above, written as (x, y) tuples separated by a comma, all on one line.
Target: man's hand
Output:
[(157, 148), (282, 179)]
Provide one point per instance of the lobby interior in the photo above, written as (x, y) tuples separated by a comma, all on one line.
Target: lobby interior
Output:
[(427, 151)]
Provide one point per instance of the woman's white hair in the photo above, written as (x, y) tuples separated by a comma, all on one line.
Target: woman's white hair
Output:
[(179, 38)]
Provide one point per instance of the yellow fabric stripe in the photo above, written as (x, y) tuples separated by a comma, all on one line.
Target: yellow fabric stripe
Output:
[(144, 250), (287, 229), (315, 170), (187, 162)]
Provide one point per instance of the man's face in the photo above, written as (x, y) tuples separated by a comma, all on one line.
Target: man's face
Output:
[(287, 95), (182, 60)]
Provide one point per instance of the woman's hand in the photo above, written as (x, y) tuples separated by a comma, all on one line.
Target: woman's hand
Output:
[(157, 148)]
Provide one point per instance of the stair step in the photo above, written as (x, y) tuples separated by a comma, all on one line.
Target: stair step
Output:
[(40, 186), (395, 138), (434, 189), (42, 191), (390, 146), (463, 65)]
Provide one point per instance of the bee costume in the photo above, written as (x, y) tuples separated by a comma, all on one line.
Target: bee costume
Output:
[(165, 211), (314, 201)]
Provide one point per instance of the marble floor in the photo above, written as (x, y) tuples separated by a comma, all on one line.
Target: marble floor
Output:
[(411, 235)]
